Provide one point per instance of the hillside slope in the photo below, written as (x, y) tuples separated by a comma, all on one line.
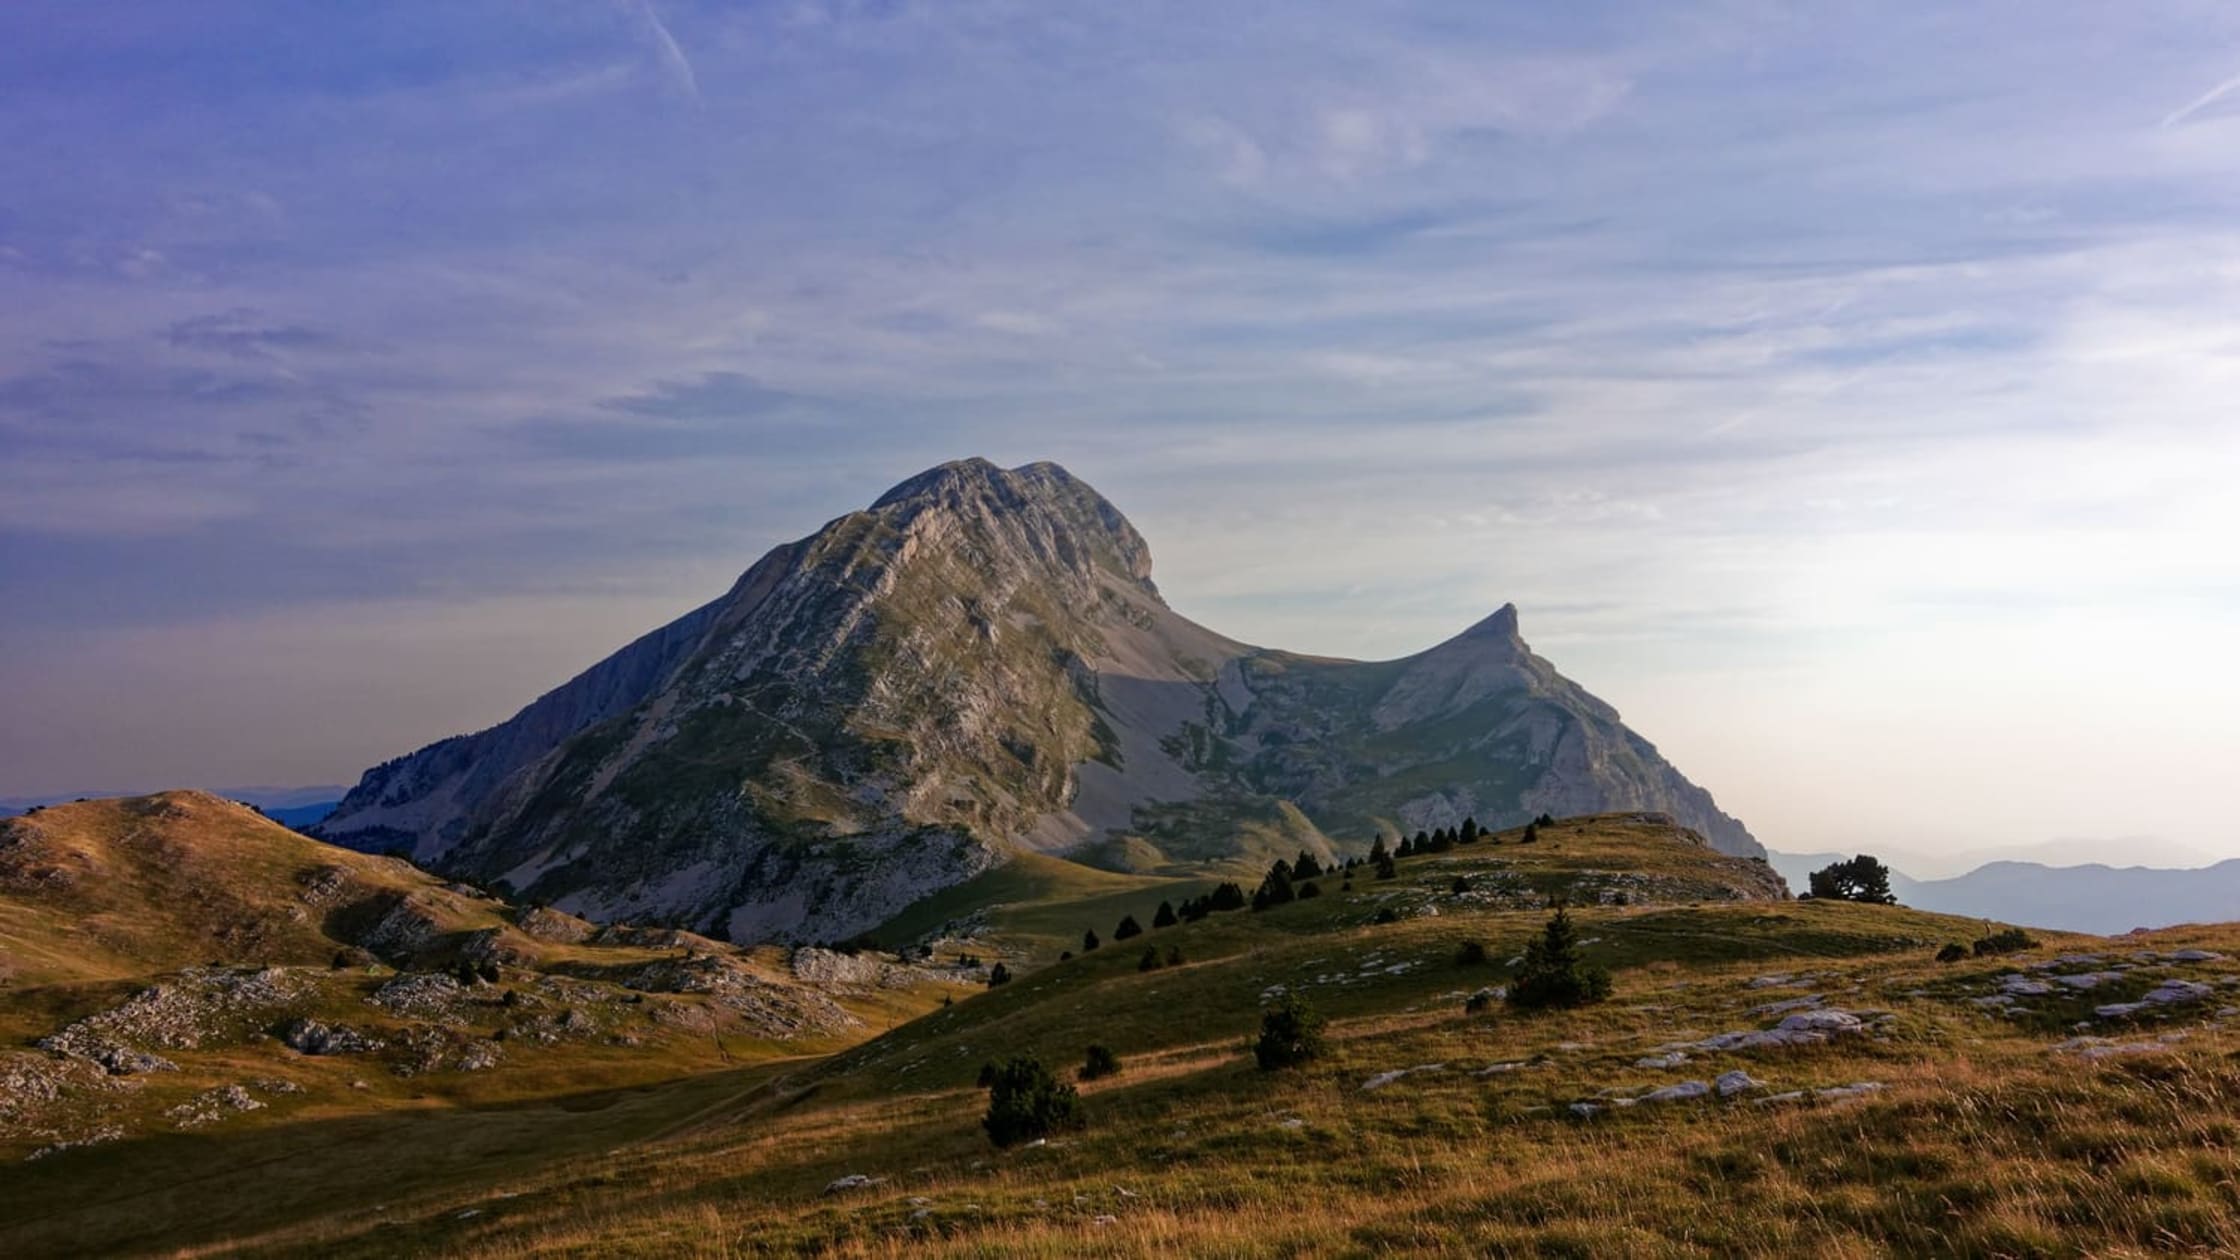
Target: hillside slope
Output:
[(976, 665), (1868, 1099)]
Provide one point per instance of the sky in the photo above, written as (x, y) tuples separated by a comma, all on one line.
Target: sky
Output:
[(1849, 393)]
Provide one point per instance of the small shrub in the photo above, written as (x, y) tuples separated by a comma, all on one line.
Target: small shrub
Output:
[(1531, 834), (1089, 941), (1952, 953), (987, 1075), (1099, 1063), (1150, 959), (1478, 1003), (1386, 869), (489, 973), (1290, 1034), (1386, 914), (1554, 974), (2005, 941), (1174, 956), (999, 976), (1472, 954), (1460, 886), (1025, 1102), (1065, 955), (1309, 889)]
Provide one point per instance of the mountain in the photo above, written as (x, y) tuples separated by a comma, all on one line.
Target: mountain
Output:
[(980, 664), (2103, 900)]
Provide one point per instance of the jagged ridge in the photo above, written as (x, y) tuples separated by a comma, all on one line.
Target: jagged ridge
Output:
[(976, 663)]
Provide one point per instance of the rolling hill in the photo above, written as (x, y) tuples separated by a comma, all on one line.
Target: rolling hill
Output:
[(1769, 1077)]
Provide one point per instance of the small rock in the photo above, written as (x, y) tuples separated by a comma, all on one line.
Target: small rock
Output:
[(1677, 1093), (1736, 1082), (853, 1181)]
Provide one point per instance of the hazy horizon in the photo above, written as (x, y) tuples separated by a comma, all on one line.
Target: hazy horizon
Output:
[(1846, 407)]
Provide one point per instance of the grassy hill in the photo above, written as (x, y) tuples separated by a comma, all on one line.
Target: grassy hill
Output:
[(179, 975), (2074, 1098)]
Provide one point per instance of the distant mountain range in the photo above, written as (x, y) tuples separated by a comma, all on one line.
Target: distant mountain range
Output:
[(979, 665), (2105, 900), (297, 807)]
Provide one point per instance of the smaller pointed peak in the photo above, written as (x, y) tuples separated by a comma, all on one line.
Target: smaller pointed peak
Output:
[(1501, 625)]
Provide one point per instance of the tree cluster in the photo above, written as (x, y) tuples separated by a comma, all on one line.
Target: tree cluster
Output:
[(1862, 878)]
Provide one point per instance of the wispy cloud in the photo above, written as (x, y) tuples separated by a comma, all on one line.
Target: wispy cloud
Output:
[(675, 68)]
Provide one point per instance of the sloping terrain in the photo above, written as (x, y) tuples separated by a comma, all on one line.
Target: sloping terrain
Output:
[(2071, 1098), (979, 665), (178, 963)]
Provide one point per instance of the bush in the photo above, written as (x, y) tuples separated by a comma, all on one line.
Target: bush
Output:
[(1099, 1063), (1309, 889), (1386, 914), (1472, 954), (1460, 886), (1150, 959), (987, 1075), (1128, 927), (1531, 834), (1386, 869), (1290, 1034), (998, 976), (1065, 955), (2005, 941), (1174, 956), (1025, 1102), (1554, 974), (1478, 1003), (1861, 879), (1952, 953)]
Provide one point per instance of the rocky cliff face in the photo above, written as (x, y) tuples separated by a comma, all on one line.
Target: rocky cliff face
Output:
[(976, 663)]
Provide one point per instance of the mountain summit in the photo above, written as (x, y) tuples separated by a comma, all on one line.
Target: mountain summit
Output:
[(977, 664)]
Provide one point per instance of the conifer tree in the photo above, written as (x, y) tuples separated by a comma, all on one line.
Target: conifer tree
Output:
[(1128, 927), (1166, 916)]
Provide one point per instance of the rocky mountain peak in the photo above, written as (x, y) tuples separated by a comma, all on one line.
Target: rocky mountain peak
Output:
[(1065, 521)]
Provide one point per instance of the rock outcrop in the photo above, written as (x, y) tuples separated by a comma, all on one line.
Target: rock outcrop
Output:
[(979, 663)]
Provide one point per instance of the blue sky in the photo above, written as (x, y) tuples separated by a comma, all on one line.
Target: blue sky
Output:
[(1844, 391)]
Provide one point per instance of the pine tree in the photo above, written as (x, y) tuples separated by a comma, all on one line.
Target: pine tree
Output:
[(1275, 890), (1150, 959), (1128, 927), (1470, 830), (1089, 941), (1166, 916), (1306, 867), (1531, 834), (998, 976), (1378, 852), (1554, 973), (1227, 896)]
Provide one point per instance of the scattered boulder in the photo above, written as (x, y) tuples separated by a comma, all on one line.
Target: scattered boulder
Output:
[(2168, 993), (1382, 1079), (1677, 1093), (853, 1181), (313, 1037)]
